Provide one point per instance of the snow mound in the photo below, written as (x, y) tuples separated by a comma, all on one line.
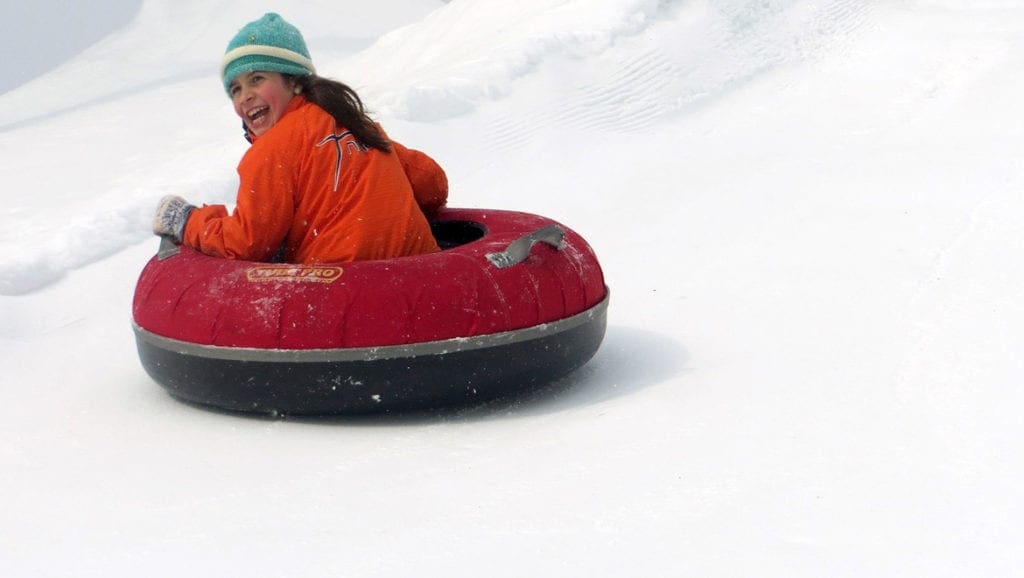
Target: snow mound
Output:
[(427, 72), (623, 65)]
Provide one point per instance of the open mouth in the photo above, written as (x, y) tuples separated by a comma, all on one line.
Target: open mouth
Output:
[(258, 116)]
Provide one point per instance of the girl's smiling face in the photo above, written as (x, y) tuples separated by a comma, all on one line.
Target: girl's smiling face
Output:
[(260, 99)]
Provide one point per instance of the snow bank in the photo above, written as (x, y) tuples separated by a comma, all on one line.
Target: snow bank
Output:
[(459, 56), (469, 53)]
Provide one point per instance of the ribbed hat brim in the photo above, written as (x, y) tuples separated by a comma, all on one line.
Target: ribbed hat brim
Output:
[(271, 51)]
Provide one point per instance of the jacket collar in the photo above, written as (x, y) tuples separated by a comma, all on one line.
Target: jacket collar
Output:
[(296, 101)]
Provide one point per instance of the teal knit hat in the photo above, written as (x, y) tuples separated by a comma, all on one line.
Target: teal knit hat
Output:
[(269, 43)]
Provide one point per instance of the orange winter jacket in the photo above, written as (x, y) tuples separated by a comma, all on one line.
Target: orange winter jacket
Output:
[(308, 184)]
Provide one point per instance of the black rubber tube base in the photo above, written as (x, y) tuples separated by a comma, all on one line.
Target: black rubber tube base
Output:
[(360, 386)]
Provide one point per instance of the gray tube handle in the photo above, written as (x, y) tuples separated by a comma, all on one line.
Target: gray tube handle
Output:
[(519, 250), (168, 248)]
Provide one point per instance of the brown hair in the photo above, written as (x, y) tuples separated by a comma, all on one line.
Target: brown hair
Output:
[(341, 102)]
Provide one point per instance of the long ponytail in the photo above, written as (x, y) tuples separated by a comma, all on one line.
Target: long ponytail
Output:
[(341, 102)]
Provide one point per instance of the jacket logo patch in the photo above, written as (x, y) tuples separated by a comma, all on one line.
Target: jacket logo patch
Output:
[(292, 274), (350, 143)]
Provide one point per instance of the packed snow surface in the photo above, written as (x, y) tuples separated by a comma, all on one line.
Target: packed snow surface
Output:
[(808, 213)]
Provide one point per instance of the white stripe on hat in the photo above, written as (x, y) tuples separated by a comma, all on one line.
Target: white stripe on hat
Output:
[(274, 51)]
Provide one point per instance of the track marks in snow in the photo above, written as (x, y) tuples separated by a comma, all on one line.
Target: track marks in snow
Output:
[(975, 272), (630, 99), (959, 380), (698, 53)]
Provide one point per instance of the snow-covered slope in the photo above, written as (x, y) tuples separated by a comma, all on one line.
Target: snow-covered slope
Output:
[(808, 214)]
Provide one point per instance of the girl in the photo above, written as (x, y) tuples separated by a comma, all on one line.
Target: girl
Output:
[(321, 182)]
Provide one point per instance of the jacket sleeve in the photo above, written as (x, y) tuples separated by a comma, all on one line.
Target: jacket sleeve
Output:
[(262, 217), (429, 182)]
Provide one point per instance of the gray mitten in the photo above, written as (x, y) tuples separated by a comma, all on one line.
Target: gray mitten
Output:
[(171, 215)]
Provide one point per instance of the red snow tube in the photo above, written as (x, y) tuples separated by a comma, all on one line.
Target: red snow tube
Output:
[(513, 301)]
